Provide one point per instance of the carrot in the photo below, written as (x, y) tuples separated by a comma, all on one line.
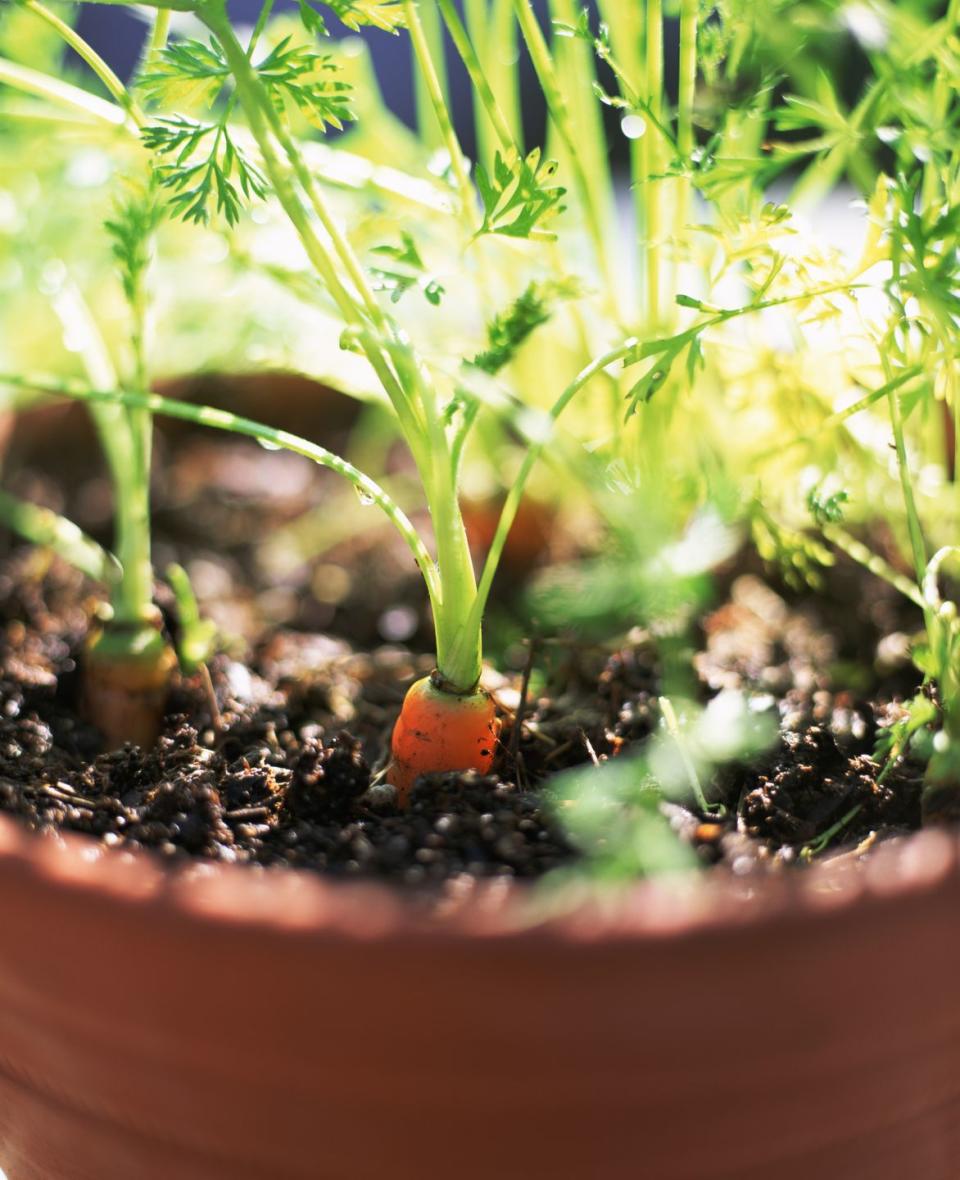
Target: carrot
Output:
[(440, 730), (125, 684)]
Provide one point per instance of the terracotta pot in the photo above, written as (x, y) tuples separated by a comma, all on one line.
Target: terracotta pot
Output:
[(192, 1025)]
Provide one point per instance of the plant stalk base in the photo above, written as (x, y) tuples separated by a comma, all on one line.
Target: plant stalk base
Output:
[(125, 691)]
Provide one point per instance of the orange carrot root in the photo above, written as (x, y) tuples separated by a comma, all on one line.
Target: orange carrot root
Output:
[(124, 695), (439, 730)]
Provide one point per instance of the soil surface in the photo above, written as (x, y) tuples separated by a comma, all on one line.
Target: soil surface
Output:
[(275, 759), (282, 770)]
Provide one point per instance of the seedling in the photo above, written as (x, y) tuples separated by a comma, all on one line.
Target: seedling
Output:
[(230, 121), (908, 112), (127, 664)]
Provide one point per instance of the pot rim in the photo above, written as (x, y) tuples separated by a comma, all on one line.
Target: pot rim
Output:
[(301, 904)]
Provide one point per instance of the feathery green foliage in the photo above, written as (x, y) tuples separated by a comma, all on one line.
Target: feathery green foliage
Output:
[(508, 329), (689, 296), (518, 196), (406, 270), (202, 166)]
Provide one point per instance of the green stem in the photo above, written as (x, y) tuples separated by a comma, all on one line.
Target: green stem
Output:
[(459, 645), (917, 544), (341, 246), (512, 503), (686, 94), (93, 59), (494, 118), (839, 416), (111, 423), (434, 90), (125, 435), (368, 489), (262, 117), (863, 403), (450, 583), (427, 127), (62, 93), (646, 351), (42, 526), (576, 71), (653, 159), (478, 16), (559, 112), (470, 412), (265, 120), (500, 64), (891, 344), (729, 313), (941, 106), (449, 586), (672, 723), (872, 562), (459, 649), (160, 34), (626, 24), (155, 42), (125, 438), (816, 846), (266, 10), (132, 597)]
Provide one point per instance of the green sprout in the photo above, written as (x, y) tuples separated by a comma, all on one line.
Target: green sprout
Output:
[(129, 648), (198, 636)]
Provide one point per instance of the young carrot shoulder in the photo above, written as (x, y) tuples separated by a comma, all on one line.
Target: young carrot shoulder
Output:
[(439, 730)]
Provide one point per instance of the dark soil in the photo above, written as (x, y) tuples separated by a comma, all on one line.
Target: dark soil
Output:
[(284, 773), (324, 640), (278, 780)]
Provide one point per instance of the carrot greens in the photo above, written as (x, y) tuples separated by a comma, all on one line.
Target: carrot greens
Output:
[(628, 270), (229, 120)]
